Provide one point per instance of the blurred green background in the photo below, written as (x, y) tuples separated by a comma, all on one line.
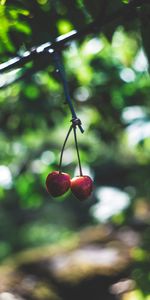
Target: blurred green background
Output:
[(110, 87)]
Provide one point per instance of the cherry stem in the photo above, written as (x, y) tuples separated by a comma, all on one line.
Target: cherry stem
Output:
[(75, 121), (77, 149), (62, 74), (63, 147)]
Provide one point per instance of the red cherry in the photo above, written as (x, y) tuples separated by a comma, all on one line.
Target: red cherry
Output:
[(81, 187), (57, 183)]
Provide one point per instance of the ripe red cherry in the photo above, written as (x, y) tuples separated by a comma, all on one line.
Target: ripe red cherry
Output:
[(57, 183), (81, 187)]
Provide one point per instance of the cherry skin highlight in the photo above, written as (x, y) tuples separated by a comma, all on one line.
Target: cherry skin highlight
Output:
[(57, 183), (81, 187)]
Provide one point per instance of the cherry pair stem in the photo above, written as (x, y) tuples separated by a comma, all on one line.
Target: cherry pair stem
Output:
[(75, 121), (73, 126)]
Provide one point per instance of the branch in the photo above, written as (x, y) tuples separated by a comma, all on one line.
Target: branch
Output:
[(61, 41)]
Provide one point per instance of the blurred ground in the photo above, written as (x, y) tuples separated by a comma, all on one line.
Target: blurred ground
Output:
[(96, 263)]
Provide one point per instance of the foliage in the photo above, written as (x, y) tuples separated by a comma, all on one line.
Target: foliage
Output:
[(109, 82)]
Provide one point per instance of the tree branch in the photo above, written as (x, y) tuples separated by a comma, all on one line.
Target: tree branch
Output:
[(61, 41)]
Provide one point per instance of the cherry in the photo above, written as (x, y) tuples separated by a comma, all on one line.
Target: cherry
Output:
[(81, 187), (57, 183)]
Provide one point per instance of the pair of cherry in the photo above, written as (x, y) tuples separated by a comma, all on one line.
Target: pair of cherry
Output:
[(58, 183)]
